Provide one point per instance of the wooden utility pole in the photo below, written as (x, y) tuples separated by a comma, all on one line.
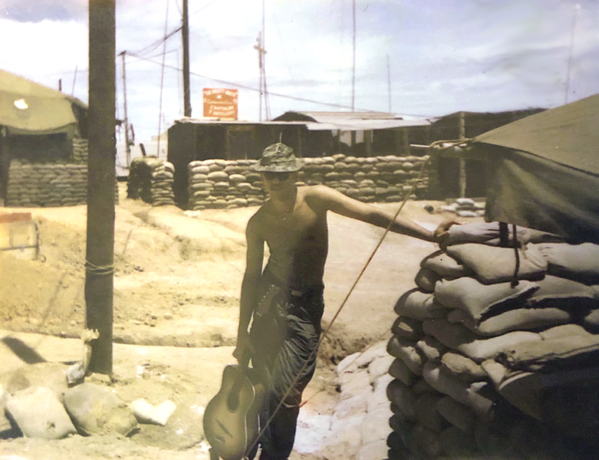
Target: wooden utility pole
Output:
[(186, 86), (127, 145), (99, 269)]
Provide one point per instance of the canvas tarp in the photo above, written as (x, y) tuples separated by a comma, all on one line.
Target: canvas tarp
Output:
[(544, 170), (30, 108), (538, 193)]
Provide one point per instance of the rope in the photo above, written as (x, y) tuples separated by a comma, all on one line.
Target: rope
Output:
[(98, 270), (514, 282), (315, 350)]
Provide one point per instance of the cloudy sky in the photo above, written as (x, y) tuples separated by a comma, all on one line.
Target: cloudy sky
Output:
[(443, 55)]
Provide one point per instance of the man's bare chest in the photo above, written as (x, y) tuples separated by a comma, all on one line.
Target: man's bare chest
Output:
[(296, 229)]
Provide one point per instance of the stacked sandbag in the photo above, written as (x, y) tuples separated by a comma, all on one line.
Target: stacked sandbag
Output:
[(381, 179), (80, 150), (465, 207), (46, 184), (151, 179), (223, 184), (55, 413), (487, 329), (359, 424), (231, 183)]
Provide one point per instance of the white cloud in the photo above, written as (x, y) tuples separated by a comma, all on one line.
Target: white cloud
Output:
[(445, 55)]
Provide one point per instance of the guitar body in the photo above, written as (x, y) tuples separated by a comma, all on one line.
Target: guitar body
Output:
[(231, 417)]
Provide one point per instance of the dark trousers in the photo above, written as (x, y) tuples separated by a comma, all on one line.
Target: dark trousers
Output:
[(286, 340)]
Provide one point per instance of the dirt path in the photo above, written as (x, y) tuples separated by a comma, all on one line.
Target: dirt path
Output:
[(177, 281)]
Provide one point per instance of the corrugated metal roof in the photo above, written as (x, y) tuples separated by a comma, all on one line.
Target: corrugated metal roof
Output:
[(365, 125), (217, 121), (353, 121), (326, 121)]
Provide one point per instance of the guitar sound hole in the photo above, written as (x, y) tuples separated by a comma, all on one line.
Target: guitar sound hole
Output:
[(233, 402)]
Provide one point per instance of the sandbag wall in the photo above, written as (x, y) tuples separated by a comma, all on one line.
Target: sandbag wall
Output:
[(151, 179), (50, 182), (46, 184), (80, 150), (220, 184), (229, 183), (495, 349)]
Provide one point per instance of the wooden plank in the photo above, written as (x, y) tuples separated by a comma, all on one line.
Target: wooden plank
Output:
[(15, 217)]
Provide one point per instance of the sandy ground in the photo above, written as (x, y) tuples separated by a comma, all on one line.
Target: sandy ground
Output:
[(177, 280)]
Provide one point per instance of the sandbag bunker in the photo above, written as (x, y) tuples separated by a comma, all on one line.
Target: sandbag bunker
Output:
[(151, 179), (496, 349)]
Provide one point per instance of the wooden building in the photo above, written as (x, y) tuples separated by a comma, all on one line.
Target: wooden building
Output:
[(364, 134), (310, 134)]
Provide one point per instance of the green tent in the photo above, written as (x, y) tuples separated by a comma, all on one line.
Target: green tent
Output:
[(30, 108), (543, 170)]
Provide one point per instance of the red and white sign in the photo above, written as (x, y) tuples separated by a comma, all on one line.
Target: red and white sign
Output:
[(220, 103)]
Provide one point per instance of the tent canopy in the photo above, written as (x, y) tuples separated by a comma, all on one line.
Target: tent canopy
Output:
[(568, 135), (543, 170), (27, 107)]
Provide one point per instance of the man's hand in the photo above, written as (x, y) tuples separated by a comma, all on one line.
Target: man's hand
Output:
[(243, 343), (441, 234)]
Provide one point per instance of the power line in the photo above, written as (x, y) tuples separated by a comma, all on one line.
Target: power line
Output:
[(238, 85), (203, 7), (174, 50), (152, 46)]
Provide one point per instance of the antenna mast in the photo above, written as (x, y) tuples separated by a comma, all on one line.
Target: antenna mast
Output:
[(576, 7), (266, 104), (186, 85), (353, 78), (127, 145), (389, 82), (260, 47)]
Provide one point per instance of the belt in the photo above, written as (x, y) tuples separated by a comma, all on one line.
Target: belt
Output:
[(294, 292)]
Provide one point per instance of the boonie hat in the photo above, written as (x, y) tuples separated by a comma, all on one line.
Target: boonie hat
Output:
[(277, 158)]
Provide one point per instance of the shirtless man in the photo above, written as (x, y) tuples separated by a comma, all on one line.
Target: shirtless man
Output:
[(286, 299)]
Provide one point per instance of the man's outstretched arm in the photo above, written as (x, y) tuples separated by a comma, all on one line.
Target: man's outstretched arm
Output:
[(249, 288), (340, 204)]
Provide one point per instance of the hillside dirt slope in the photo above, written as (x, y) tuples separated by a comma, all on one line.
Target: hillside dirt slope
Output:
[(176, 290)]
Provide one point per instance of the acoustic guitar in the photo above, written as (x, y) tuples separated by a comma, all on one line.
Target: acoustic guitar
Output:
[(231, 417)]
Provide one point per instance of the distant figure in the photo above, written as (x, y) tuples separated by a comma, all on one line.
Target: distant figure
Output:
[(285, 299)]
